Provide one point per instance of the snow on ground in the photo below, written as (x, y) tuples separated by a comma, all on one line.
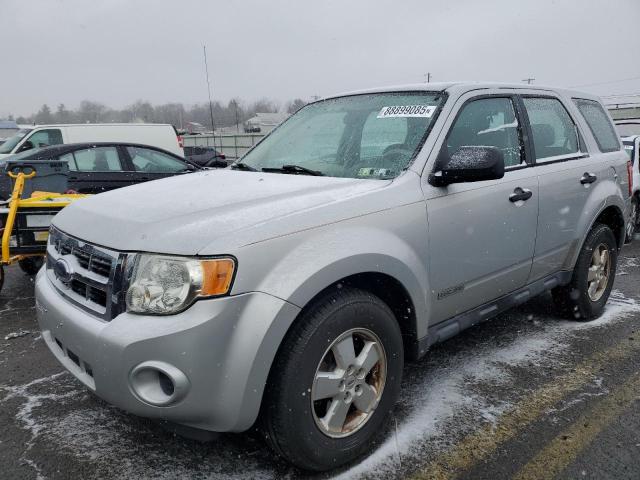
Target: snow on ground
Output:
[(59, 413), (446, 391)]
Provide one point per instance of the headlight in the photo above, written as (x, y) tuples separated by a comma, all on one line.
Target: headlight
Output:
[(164, 285)]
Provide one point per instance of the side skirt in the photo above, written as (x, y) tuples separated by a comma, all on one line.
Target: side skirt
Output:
[(448, 328)]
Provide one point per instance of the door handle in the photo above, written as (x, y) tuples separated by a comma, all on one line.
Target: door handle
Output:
[(520, 194), (588, 178)]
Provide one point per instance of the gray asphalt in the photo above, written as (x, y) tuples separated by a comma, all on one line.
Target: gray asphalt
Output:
[(526, 395)]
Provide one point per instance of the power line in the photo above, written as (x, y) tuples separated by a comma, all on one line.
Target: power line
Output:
[(604, 83)]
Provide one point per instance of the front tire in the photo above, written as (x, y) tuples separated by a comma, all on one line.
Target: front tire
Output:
[(585, 297), (335, 380)]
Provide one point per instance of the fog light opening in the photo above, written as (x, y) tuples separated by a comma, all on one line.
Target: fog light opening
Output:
[(158, 383), (166, 384)]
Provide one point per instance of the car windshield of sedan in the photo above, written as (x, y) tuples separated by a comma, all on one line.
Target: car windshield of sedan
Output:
[(372, 136)]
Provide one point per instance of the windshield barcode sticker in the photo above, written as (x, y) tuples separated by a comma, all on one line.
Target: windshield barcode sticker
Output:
[(396, 111)]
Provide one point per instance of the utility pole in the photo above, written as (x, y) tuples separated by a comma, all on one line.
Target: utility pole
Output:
[(427, 77), (528, 80), (206, 69), (235, 107)]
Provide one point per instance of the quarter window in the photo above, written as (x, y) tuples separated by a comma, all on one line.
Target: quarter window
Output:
[(488, 122), (553, 130), (599, 124), (98, 159)]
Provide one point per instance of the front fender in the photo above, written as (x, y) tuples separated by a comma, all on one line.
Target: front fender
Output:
[(297, 267)]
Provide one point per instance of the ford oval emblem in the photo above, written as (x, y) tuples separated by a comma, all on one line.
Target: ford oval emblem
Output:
[(63, 271)]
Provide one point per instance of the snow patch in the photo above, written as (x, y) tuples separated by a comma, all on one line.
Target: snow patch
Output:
[(447, 390)]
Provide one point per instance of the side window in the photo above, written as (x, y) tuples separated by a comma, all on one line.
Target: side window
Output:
[(553, 130), (45, 138), (70, 159), (379, 136), (152, 161), (488, 122), (599, 124), (97, 159)]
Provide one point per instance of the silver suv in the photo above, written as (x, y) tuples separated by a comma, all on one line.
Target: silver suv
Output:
[(289, 289)]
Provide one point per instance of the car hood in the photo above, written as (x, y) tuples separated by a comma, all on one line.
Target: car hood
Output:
[(219, 209)]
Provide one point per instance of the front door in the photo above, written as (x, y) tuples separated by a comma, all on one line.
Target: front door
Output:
[(481, 238)]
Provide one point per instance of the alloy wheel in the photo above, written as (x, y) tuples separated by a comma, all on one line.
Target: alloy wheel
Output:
[(348, 383), (599, 272)]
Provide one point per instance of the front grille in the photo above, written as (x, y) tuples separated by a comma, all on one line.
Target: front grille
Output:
[(89, 274)]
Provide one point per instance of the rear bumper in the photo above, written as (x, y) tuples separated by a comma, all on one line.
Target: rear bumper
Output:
[(223, 348)]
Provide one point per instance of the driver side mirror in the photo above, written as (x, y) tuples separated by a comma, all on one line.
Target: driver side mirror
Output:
[(25, 146), (469, 164)]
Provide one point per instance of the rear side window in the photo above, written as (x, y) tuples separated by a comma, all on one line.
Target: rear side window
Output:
[(599, 124), (553, 130), (97, 159)]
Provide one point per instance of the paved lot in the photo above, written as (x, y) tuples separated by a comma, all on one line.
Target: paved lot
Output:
[(524, 396)]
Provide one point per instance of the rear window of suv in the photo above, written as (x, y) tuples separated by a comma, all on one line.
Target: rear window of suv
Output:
[(599, 124)]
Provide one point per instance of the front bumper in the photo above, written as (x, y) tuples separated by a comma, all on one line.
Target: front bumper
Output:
[(224, 347)]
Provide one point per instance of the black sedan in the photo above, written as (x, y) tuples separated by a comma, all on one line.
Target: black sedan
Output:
[(205, 156), (98, 167)]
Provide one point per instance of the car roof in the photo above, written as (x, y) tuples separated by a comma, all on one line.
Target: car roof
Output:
[(43, 153), (630, 138), (57, 125), (462, 87)]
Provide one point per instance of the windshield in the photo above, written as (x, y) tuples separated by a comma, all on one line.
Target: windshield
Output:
[(11, 142), (361, 136)]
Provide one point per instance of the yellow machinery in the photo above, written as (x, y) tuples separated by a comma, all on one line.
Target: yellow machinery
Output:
[(25, 223)]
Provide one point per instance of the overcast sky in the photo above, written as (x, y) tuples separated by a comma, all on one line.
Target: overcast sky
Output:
[(119, 51)]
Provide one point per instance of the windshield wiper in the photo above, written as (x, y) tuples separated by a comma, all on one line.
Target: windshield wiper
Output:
[(242, 166), (295, 169)]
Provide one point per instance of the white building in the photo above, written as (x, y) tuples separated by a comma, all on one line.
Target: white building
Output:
[(264, 122)]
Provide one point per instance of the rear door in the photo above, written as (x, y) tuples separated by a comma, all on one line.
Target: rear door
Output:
[(567, 174), (480, 238), (96, 169), (149, 164)]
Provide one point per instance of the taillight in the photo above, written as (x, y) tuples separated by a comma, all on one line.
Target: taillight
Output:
[(180, 141), (630, 175), (222, 156)]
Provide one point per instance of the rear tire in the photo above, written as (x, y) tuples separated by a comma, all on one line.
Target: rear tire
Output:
[(593, 276), (322, 409), (31, 265)]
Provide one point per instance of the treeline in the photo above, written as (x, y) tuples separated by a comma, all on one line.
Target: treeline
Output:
[(177, 114)]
